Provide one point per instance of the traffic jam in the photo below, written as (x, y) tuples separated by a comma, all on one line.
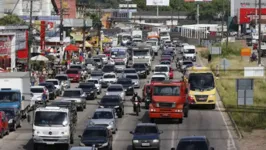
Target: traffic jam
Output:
[(140, 73)]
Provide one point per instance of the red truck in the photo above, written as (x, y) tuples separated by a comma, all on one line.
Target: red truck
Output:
[(169, 100)]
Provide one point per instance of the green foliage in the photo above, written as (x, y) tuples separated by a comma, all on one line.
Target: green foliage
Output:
[(233, 48), (11, 20)]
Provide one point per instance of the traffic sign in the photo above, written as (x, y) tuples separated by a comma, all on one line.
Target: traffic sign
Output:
[(224, 64)]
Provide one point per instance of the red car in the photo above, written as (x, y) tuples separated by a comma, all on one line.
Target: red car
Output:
[(74, 75), (3, 124), (171, 73)]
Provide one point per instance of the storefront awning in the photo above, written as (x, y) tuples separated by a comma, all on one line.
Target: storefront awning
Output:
[(22, 54)]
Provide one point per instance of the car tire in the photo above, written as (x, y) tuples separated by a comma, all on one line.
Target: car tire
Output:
[(71, 139), (133, 148), (35, 146), (213, 106), (180, 120), (81, 108), (19, 124), (120, 115), (7, 131), (152, 120)]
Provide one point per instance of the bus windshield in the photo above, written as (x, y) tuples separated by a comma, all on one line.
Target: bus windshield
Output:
[(201, 81), (141, 53)]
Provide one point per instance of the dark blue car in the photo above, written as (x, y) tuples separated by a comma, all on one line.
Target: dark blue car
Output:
[(146, 136), (194, 143)]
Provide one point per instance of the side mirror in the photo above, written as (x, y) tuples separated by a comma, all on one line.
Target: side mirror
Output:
[(131, 132), (29, 118), (212, 148), (23, 98)]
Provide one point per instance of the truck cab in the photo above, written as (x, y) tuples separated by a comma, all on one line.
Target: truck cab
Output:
[(168, 100), (189, 52), (52, 126), (142, 54), (11, 98)]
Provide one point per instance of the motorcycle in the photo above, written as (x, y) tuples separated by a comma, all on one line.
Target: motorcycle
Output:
[(147, 102), (252, 59), (136, 107)]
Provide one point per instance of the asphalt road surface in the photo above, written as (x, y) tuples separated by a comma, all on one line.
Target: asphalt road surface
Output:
[(211, 123)]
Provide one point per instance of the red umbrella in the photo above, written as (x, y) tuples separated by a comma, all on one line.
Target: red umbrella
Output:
[(71, 48)]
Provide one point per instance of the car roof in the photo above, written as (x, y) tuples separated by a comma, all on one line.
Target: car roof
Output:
[(104, 109), (52, 80), (109, 73), (81, 148), (124, 79), (115, 85), (73, 89), (146, 124), (108, 65), (97, 71), (158, 75), (86, 83), (111, 96), (194, 138), (47, 83), (73, 69), (161, 65)]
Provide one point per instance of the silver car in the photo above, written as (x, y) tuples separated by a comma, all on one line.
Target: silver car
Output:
[(96, 75), (64, 80), (105, 117), (116, 89), (77, 95), (135, 79)]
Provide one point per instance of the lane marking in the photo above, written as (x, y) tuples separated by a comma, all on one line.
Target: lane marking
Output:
[(230, 141), (173, 138)]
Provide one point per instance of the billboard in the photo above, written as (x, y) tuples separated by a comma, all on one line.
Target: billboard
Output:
[(157, 2), (236, 5), (5, 44), (248, 14)]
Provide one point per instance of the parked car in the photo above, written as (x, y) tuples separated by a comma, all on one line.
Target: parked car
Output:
[(90, 89), (146, 136), (113, 101), (105, 117), (99, 136)]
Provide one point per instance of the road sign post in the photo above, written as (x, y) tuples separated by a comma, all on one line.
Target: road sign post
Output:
[(224, 64), (245, 94)]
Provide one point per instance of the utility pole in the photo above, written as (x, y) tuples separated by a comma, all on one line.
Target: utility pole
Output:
[(198, 13), (256, 15), (84, 28), (61, 25), (259, 49), (30, 40), (223, 13)]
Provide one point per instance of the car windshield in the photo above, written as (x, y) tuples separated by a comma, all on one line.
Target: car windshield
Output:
[(166, 63), (120, 63), (61, 78), (164, 34), (132, 76), (189, 51), (110, 100), (75, 67), (94, 74), (50, 87), (201, 81), (72, 72), (93, 81), (161, 69), (130, 71), (54, 82), (166, 91), (140, 52), (86, 86), (109, 76), (138, 66), (157, 79), (102, 55), (71, 93), (187, 63), (115, 89), (108, 68), (94, 133), (103, 115), (124, 82), (146, 130), (6, 96), (97, 59), (36, 90), (192, 145), (118, 53), (50, 118)]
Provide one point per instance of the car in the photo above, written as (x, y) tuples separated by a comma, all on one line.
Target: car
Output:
[(97, 84), (105, 117), (51, 89), (98, 60), (158, 78), (80, 67), (64, 80), (128, 71), (104, 58), (134, 78), (184, 64), (162, 69), (77, 95), (74, 75), (120, 65), (165, 62), (194, 143), (91, 65), (146, 136), (57, 84), (107, 79), (115, 102), (39, 93), (97, 75), (90, 89), (14, 118), (141, 69), (166, 57), (99, 136), (108, 68), (127, 84), (116, 89)]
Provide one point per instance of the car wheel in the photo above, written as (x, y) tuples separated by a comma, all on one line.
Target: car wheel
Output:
[(152, 120), (213, 106), (180, 120), (133, 148), (19, 124), (95, 96)]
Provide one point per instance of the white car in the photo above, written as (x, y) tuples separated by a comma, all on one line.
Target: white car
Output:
[(116, 89), (104, 58), (162, 69), (108, 78), (97, 84), (57, 84), (182, 47), (37, 94), (159, 77)]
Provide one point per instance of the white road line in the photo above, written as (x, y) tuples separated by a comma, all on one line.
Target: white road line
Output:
[(173, 138), (230, 142)]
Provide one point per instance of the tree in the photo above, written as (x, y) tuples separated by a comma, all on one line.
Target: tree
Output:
[(11, 19)]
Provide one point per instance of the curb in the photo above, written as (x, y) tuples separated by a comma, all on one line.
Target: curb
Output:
[(240, 135)]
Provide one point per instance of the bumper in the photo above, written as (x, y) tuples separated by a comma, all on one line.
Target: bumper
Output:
[(203, 103), (189, 58), (79, 104), (51, 140), (163, 115), (75, 79), (136, 85), (142, 145)]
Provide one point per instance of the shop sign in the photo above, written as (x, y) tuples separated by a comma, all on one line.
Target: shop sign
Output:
[(5, 45)]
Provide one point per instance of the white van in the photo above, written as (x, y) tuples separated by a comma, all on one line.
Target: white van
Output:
[(189, 52)]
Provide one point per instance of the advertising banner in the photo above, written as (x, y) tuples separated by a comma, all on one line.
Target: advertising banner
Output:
[(5, 45), (157, 2)]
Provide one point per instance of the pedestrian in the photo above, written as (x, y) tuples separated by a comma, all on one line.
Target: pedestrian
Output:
[(32, 80), (209, 58)]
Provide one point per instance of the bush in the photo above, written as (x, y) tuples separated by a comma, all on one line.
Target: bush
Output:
[(204, 54), (233, 48)]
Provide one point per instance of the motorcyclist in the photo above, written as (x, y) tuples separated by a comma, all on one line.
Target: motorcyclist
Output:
[(83, 73), (135, 98), (253, 56)]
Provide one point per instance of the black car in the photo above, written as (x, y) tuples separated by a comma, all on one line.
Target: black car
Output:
[(127, 84), (194, 143), (90, 89), (99, 136), (71, 105), (51, 88), (113, 101), (141, 69), (108, 68), (13, 116), (146, 136)]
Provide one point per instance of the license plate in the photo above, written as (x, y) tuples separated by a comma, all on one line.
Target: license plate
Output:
[(145, 144), (165, 115), (50, 143), (71, 79)]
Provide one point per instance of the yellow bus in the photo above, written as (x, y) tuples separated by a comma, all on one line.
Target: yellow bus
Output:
[(202, 88)]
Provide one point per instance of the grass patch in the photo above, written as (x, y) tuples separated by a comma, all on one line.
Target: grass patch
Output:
[(226, 85)]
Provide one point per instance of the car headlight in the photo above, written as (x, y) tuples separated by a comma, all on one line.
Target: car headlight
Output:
[(130, 87), (104, 144), (135, 141), (212, 95), (10, 120), (142, 71), (111, 123), (66, 133), (92, 92), (116, 107), (81, 144), (155, 141), (101, 106), (106, 93), (91, 123)]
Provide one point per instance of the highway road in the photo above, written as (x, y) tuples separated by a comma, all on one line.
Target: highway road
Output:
[(211, 123)]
